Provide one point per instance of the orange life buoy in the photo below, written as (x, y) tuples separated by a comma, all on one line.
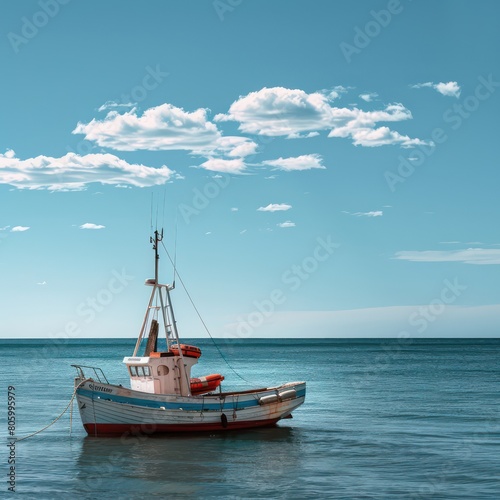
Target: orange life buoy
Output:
[(206, 384), (187, 350)]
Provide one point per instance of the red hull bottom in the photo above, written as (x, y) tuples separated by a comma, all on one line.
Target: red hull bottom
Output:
[(110, 430)]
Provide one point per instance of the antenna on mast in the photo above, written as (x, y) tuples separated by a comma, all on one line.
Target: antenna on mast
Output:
[(151, 216), (157, 239)]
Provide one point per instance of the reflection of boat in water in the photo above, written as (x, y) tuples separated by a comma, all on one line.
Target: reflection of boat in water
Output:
[(163, 397), (194, 461)]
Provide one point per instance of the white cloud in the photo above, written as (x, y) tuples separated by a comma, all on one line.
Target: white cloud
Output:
[(234, 209), (478, 256), (73, 172), (336, 92), (286, 224), (374, 137), (113, 105), (451, 89), (160, 127), (235, 166), (243, 231), (9, 153), (19, 229), (234, 146), (375, 213), (90, 225), (5, 228), (304, 162), (42, 283), (292, 113), (164, 127), (279, 112), (275, 207), (368, 97)]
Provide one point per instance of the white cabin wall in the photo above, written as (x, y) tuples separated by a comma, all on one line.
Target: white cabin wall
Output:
[(165, 373)]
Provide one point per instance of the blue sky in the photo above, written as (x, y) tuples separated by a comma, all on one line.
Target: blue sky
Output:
[(330, 168)]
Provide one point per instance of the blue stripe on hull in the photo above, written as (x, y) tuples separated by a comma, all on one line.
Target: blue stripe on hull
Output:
[(173, 406)]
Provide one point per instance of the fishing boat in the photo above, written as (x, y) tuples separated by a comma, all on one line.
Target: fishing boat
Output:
[(163, 396)]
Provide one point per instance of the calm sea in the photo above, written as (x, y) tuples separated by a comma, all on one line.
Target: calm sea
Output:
[(382, 419)]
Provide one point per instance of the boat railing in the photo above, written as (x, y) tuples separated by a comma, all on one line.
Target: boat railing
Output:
[(98, 373)]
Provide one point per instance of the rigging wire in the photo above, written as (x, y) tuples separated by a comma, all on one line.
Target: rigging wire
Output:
[(202, 321), (175, 249)]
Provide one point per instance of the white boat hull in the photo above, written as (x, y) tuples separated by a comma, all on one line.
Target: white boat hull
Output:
[(111, 410)]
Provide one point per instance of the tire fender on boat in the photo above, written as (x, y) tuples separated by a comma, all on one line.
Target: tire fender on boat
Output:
[(223, 420)]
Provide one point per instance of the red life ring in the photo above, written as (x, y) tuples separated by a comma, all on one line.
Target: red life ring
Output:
[(206, 384), (187, 350)]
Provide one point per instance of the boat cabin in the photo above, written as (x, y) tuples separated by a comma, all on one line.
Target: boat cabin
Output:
[(163, 372)]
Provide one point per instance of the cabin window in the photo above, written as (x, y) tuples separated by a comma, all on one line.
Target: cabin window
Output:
[(140, 371), (163, 370)]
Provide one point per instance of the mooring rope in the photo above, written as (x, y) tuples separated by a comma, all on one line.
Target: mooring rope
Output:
[(54, 421)]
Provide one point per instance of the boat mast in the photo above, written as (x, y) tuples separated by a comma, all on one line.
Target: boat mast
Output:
[(156, 287), (144, 323), (171, 322), (158, 238), (167, 319)]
